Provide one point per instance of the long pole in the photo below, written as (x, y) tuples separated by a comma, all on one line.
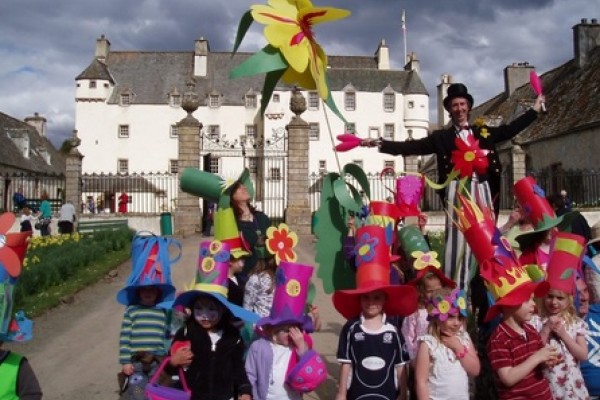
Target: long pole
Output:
[(404, 35)]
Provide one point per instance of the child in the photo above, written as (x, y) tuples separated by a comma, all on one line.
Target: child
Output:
[(209, 347), (446, 357), (26, 220), (258, 294), (516, 352), (370, 348), (281, 364), (558, 324), (17, 379), (144, 329)]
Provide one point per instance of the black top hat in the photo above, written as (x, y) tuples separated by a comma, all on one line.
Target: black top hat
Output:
[(457, 90)]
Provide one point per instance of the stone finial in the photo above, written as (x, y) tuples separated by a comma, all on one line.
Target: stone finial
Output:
[(190, 101), (74, 142), (297, 102)]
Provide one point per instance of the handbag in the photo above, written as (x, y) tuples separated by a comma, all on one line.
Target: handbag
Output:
[(154, 391)]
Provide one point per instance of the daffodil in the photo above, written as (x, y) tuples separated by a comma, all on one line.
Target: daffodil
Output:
[(289, 28)]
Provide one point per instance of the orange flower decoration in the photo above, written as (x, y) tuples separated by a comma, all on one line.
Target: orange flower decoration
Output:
[(281, 242), (469, 157), (12, 247)]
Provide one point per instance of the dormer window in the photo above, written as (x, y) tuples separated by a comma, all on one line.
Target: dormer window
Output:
[(275, 98), (350, 101), (313, 100), (250, 100), (175, 100), (214, 100), (45, 155), (389, 99), (125, 99), (92, 84), (21, 140)]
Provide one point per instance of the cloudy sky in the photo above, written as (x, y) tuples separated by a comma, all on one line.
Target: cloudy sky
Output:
[(45, 44)]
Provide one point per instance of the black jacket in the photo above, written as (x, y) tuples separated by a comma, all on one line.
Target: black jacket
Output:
[(441, 143), (218, 374)]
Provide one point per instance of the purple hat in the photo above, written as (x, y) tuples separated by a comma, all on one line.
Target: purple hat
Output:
[(211, 280), (289, 301)]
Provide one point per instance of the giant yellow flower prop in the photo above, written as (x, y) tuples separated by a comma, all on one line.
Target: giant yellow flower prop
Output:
[(292, 53)]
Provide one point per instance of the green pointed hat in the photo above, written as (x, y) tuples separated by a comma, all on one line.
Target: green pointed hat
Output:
[(211, 186)]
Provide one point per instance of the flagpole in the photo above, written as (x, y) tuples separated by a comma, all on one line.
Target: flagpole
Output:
[(404, 35)]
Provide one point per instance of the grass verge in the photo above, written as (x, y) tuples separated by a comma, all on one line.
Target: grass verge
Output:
[(50, 297)]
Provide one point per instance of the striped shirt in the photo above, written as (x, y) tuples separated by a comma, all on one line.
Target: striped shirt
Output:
[(142, 329), (508, 348)]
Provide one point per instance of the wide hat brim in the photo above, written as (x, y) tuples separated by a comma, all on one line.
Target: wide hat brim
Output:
[(186, 299), (304, 321), (401, 300), (430, 268), (129, 296), (517, 297), (526, 239)]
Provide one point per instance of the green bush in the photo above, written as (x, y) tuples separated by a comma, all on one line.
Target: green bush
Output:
[(53, 260)]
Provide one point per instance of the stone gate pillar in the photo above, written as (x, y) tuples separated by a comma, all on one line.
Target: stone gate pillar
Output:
[(298, 215), (519, 167), (187, 213), (73, 172)]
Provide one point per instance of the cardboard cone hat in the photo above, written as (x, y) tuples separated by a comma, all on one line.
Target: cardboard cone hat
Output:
[(150, 266), (409, 191), (566, 254), (212, 280), (425, 261), (211, 186), (226, 231), (373, 273), (292, 282), (506, 280), (387, 216)]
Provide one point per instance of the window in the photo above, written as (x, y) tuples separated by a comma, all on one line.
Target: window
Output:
[(275, 98), (251, 131), (123, 131), (350, 101), (358, 162), (92, 84), (351, 128), (389, 164), (173, 166), (125, 99), (410, 133), (214, 165), (389, 102), (322, 165), (275, 174), (174, 131), (175, 100), (411, 104), (313, 100), (213, 100), (214, 132), (313, 131), (123, 166), (373, 133), (253, 165), (388, 131), (250, 101)]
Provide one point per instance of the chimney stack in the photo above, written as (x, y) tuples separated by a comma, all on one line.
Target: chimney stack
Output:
[(515, 76), (102, 48), (586, 36), (442, 90), (201, 51), (383, 56), (413, 63), (38, 122)]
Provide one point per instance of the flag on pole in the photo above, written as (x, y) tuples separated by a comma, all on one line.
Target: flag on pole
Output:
[(403, 20)]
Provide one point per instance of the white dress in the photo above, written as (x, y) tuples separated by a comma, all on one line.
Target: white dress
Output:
[(448, 380)]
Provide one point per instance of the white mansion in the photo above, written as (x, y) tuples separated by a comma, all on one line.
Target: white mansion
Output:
[(128, 104)]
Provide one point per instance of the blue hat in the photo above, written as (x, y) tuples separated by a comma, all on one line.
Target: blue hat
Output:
[(212, 280), (150, 266)]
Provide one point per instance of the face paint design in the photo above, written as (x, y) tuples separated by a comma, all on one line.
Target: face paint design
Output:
[(207, 310)]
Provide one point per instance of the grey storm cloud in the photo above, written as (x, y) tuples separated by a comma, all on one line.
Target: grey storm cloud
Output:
[(44, 45)]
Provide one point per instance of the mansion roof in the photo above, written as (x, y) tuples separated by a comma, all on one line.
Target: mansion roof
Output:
[(152, 76)]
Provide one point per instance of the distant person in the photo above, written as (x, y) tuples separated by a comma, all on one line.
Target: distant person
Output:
[(19, 199), (578, 223), (123, 201), (566, 200), (208, 218), (45, 215), (66, 218), (26, 220)]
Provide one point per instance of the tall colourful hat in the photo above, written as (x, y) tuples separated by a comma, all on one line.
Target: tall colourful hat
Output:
[(387, 216), (292, 282), (566, 255), (409, 191), (150, 266), (13, 247), (212, 280), (425, 261), (537, 209), (211, 186), (226, 231), (506, 280), (373, 273)]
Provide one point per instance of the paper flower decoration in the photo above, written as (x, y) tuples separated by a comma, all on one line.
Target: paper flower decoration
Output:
[(425, 259), (292, 54), (281, 242), (9, 259), (348, 142), (469, 158), (441, 307), (365, 248)]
